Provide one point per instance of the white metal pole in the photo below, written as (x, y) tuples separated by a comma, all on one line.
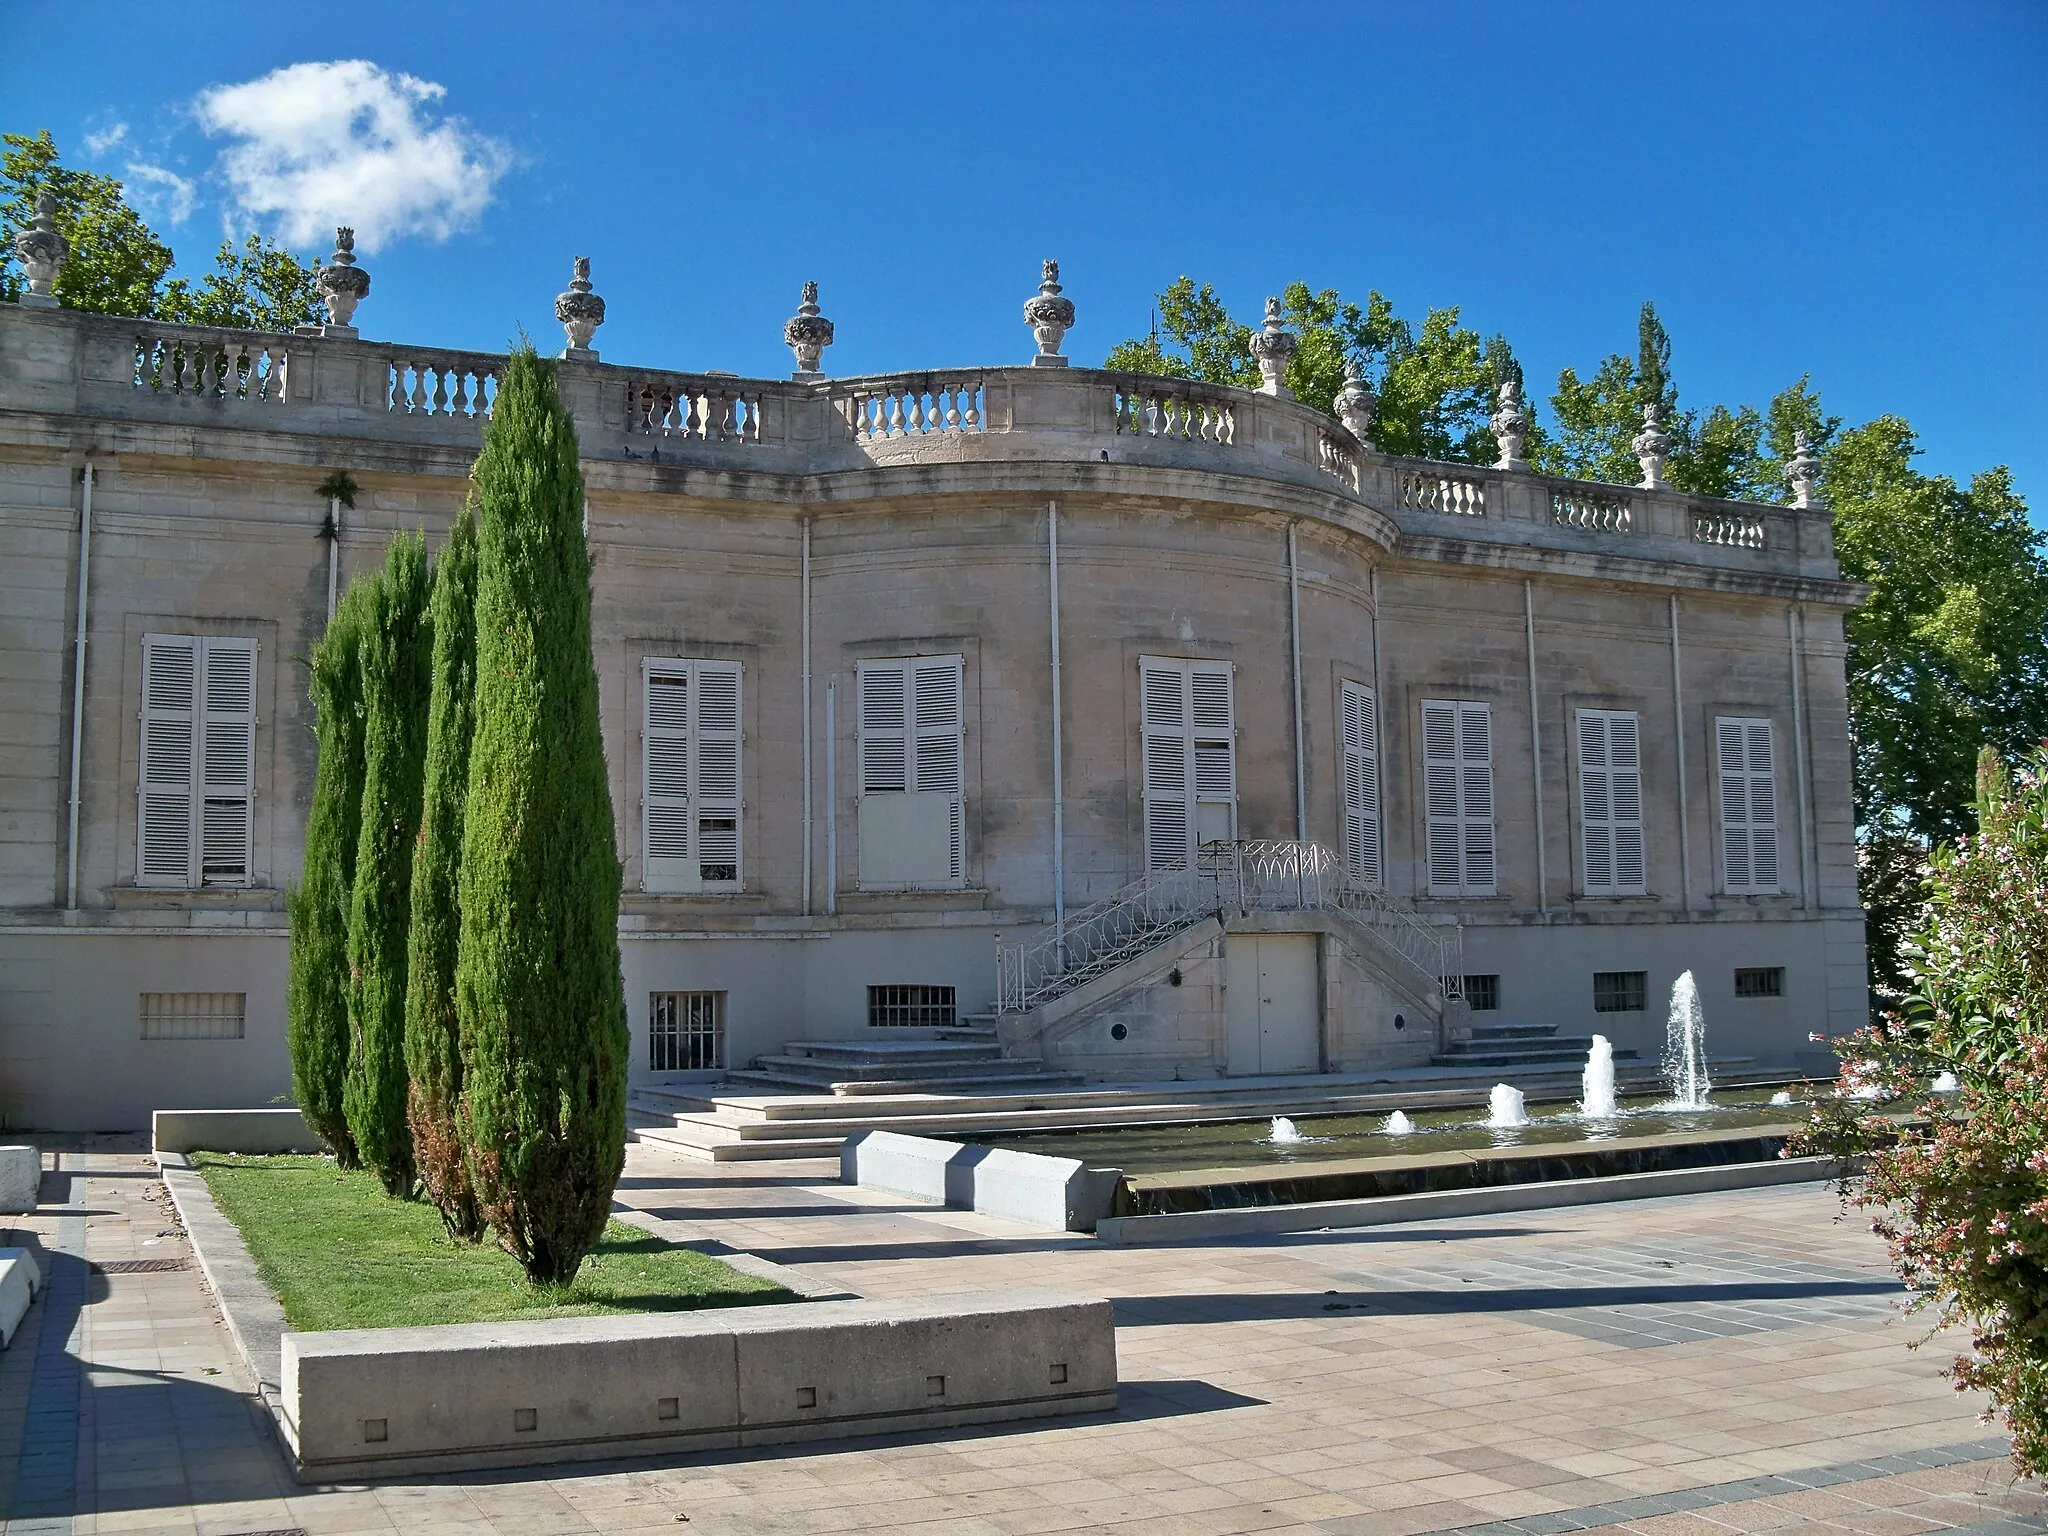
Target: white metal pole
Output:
[(805, 668), (1379, 735), (78, 686), (1792, 628), (333, 550), (1678, 708), (1059, 806), (831, 797), (1294, 654), (1536, 747)]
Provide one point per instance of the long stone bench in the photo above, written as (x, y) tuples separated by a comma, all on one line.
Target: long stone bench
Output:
[(1058, 1192), (380, 1402), (232, 1130)]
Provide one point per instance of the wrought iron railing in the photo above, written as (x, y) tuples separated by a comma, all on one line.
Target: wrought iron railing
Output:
[(1224, 877)]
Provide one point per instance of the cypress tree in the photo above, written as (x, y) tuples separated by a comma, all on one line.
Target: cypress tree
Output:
[(538, 993), (433, 1049), (396, 653), (317, 986)]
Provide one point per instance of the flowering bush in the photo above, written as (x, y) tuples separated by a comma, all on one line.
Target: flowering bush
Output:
[(1960, 1191)]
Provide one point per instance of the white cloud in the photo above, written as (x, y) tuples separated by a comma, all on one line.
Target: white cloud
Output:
[(162, 192), (350, 143), (107, 138)]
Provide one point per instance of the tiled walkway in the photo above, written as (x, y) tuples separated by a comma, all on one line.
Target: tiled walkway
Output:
[(1707, 1364)]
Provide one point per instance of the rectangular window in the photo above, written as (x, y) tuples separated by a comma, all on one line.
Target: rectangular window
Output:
[(1760, 981), (1457, 775), (196, 785), (1362, 784), (911, 1007), (686, 1031), (1620, 991), (1611, 802), (1749, 806), (194, 1015), (913, 773), (690, 775), (1483, 993), (1188, 736)]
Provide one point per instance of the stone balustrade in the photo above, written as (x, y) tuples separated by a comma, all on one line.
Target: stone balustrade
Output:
[(441, 383), (210, 364), (1433, 490), (909, 405), (1147, 405)]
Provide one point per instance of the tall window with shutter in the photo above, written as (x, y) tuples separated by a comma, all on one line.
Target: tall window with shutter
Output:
[(690, 775), (913, 773), (1457, 784), (1362, 783), (1611, 803), (1188, 740), (196, 785), (1749, 806)]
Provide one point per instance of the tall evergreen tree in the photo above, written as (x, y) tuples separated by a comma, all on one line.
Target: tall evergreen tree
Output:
[(396, 653), (433, 1046), (317, 985), (538, 993)]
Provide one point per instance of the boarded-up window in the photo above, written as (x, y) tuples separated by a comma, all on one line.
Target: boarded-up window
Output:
[(1457, 785), (913, 773), (1749, 806), (1362, 848), (1611, 803), (196, 783), (1188, 737), (690, 775)]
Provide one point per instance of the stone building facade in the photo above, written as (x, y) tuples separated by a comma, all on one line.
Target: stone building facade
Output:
[(1590, 736)]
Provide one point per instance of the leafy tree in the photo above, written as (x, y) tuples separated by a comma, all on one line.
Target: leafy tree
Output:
[(1598, 418), (396, 651), (317, 983), (433, 1044), (118, 265), (1961, 1194), (538, 995)]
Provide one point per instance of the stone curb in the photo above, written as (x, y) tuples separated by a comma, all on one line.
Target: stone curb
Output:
[(809, 1287)]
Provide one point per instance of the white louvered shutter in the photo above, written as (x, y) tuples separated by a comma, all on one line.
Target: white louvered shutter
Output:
[(1362, 783), (1749, 805), (1457, 774), (1214, 734), (171, 666), (1611, 802), (690, 774), (941, 746), (884, 722), (716, 766), (1188, 736), (227, 761), (913, 745)]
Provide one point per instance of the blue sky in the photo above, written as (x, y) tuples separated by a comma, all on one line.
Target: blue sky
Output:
[(1855, 191)]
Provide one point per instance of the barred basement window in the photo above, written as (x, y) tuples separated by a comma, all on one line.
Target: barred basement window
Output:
[(686, 1031), (1760, 981), (1483, 993), (1620, 991), (194, 1015), (901, 1007)]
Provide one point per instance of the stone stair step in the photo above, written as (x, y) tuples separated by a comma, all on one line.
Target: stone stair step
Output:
[(1513, 1031), (894, 1052), (812, 1070)]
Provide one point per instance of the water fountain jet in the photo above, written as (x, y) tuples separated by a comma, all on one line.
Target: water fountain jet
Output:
[(1398, 1124), (1685, 1046), (1946, 1083), (1596, 1083), (1284, 1132), (1505, 1108)]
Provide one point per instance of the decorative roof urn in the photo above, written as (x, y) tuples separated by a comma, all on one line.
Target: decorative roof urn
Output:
[(42, 252), (342, 284), (1355, 401), (807, 334), (581, 313), (1803, 470), (1271, 348), (1652, 446), (1510, 425), (1050, 317)]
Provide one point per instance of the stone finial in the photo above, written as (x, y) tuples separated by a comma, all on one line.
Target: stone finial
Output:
[(808, 333), (342, 284), (1510, 426), (1271, 347), (1354, 401), (1803, 470), (42, 253), (1050, 317), (581, 312), (1652, 446)]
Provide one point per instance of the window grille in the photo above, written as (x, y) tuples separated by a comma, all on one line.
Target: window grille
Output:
[(911, 1007), (1760, 981), (1483, 993), (194, 1015), (1620, 991), (686, 1031)]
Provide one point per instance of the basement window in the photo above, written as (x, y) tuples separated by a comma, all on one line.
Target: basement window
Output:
[(686, 1031), (194, 1015), (1760, 981), (911, 1007), (1620, 991), (1483, 993)]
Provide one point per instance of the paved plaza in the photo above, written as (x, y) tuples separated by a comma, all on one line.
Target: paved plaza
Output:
[(1691, 1365)]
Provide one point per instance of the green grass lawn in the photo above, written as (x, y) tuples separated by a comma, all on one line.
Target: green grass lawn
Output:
[(340, 1253)]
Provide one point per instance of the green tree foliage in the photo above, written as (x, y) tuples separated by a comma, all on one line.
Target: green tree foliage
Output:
[(433, 1044), (538, 993), (118, 265), (396, 651), (1961, 1196), (317, 984)]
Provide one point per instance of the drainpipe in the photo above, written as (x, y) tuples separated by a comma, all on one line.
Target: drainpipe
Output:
[(1793, 630), (1059, 801), (806, 670), (1379, 735), (1294, 651), (831, 798), (78, 686), (1536, 747), (1678, 708), (333, 532)]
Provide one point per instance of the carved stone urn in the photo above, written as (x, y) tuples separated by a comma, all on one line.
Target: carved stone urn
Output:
[(342, 284), (42, 253), (1271, 347), (1510, 426), (1050, 317), (581, 312), (808, 333), (1803, 470), (1355, 401), (1652, 446)]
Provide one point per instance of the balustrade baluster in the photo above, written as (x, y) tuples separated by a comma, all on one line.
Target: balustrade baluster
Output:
[(458, 400), (952, 393), (895, 413), (971, 418)]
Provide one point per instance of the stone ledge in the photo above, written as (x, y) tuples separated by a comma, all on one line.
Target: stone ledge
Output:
[(1057, 1192), (232, 1130)]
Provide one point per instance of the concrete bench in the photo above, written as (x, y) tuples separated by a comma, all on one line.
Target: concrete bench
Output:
[(233, 1130), (21, 1175), (1057, 1192), (20, 1279)]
